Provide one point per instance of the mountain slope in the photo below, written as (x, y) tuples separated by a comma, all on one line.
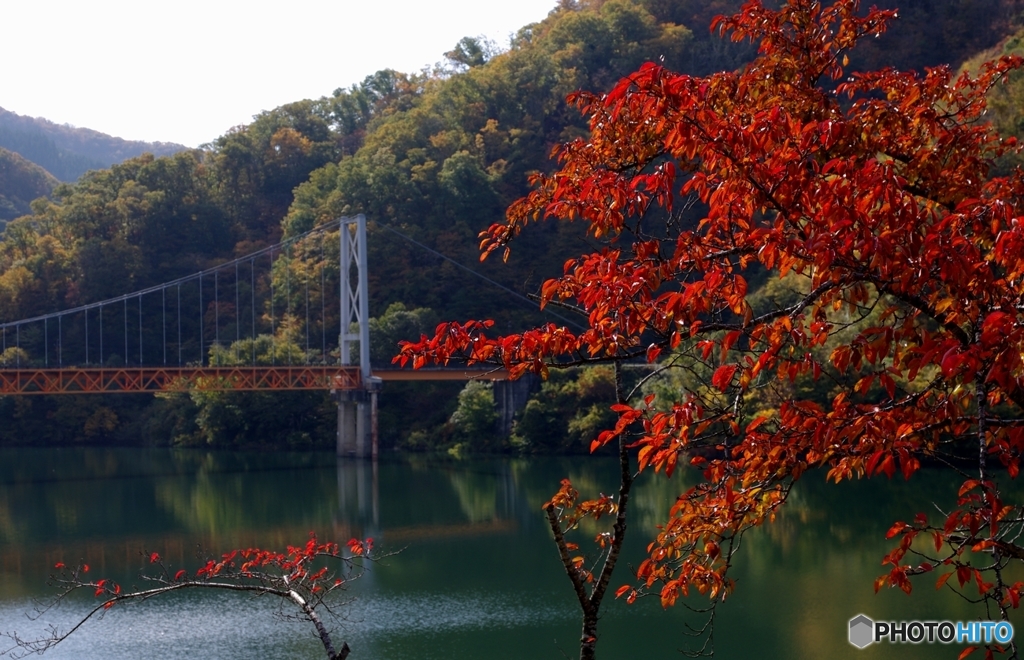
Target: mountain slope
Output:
[(21, 181), (437, 156)]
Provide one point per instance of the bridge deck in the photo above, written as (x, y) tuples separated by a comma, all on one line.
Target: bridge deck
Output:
[(85, 380)]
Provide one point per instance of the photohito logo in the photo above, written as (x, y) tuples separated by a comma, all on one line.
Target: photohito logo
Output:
[(865, 631)]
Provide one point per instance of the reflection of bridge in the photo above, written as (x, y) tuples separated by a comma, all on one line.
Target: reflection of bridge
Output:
[(357, 512), (293, 316)]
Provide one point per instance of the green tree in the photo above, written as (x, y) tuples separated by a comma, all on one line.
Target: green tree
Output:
[(474, 420), (241, 419), (568, 411), (470, 52)]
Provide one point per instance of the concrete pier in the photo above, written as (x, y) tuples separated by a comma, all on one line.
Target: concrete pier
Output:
[(357, 420)]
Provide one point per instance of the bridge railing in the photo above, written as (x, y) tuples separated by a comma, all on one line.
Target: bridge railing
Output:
[(177, 379)]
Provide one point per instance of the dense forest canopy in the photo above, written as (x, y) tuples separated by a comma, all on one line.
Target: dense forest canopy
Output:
[(437, 156)]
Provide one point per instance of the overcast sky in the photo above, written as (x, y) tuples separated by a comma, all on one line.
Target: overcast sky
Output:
[(188, 70)]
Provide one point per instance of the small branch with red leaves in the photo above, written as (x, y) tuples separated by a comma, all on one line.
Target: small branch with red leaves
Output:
[(304, 575), (564, 512)]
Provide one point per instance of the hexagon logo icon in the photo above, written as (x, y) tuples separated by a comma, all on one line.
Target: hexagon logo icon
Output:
[(862, 631)]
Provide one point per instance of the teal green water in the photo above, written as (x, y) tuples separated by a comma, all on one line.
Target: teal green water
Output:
[(477, 575)]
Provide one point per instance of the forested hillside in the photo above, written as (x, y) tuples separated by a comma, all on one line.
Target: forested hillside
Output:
[(21, 181), (68, 152), (437, 157)]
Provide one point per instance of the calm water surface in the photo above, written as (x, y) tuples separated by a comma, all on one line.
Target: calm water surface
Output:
[(477, 575)]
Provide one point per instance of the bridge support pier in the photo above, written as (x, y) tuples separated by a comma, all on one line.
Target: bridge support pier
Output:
[(357, 420), (510, 397)]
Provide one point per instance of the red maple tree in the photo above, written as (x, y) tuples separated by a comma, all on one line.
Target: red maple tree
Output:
[(872, 197)]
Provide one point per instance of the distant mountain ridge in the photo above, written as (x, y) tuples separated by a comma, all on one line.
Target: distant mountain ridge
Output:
[(68, 152)]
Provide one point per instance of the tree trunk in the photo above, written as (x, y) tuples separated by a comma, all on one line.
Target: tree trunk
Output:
[(321, 630), (588, 642)]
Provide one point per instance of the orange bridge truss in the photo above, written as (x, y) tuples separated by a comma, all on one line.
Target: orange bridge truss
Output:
[(85, 380), (89, 380)]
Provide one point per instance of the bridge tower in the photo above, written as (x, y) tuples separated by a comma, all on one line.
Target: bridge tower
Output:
[(357, 409)]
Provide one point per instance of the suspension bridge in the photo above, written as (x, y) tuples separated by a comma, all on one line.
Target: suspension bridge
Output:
[(292, 316)]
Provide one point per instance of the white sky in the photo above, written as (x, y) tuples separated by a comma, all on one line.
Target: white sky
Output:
[(186, 71)]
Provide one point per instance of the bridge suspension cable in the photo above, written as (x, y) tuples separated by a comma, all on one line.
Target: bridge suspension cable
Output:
[(515, 294)]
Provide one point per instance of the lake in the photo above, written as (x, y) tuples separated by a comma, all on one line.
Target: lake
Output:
[(476, 574)]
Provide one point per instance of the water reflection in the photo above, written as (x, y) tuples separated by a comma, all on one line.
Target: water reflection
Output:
[(477, 575), (359, 494)]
